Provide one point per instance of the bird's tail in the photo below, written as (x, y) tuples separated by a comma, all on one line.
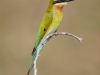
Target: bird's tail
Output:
[(32, 62), (35, 53), (30, 68)]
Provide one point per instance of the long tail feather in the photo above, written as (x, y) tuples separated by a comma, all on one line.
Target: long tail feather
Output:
[(30, 69)]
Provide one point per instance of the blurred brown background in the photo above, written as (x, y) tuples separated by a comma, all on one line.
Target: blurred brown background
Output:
[(62, 55)]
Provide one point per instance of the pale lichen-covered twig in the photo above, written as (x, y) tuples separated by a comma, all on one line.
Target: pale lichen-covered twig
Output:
[(44, 40)]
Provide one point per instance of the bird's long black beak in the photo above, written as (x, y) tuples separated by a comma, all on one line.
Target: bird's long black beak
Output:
[(69, 0)]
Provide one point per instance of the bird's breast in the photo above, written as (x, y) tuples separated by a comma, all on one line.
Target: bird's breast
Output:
[(59, 8)]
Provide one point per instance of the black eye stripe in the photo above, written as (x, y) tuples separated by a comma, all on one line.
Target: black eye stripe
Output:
[(60, 1), (55, 2)]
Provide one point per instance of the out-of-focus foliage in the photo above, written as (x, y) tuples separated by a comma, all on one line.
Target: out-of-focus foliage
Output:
[(62, 55)]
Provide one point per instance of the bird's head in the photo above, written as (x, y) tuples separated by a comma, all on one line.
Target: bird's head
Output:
[(61, 1), (59, 4)]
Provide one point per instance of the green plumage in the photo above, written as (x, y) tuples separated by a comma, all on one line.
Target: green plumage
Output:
[(49, 24)]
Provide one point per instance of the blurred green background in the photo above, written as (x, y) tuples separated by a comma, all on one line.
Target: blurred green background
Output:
[(62, 55)]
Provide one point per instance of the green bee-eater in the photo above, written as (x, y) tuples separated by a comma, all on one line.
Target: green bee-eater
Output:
[(50, 21)]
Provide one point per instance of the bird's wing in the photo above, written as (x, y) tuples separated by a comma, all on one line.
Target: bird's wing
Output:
[(46, 21)]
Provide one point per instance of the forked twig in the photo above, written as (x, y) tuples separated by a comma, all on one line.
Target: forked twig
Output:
[(44, 41)]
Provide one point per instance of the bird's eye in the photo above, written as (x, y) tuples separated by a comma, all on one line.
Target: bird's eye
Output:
[(55, 2), (59, 1), (65, 0)]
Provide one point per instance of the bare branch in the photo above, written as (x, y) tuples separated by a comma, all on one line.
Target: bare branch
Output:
[(64, 33), (44, 41)]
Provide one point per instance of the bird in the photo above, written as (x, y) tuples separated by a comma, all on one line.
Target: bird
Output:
[(50, 22)]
